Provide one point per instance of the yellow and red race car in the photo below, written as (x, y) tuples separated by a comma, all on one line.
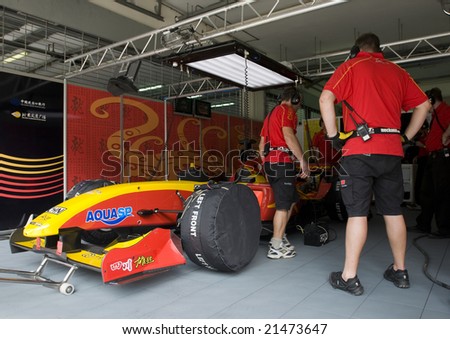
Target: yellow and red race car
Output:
[(133, 230), (130, 231)]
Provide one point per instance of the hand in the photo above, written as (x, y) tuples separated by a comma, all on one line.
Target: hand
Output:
[(304, 170), (405, 140), (338, 141), (261, 154)]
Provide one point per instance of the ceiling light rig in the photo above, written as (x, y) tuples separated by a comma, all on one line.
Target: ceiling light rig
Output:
[(145, 46), (178, 36), (237, 64)]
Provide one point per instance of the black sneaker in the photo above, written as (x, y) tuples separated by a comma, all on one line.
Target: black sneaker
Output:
[(400, 278), (352, 286)]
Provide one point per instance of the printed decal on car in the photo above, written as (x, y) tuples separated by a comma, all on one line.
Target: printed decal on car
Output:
[(143, 261), (122, 265), (109, 216), (56, 210)]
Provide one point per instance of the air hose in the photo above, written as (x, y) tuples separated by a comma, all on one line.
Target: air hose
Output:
[(427, 261)]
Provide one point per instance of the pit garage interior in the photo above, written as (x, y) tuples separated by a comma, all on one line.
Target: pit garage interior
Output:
[(125, 52)]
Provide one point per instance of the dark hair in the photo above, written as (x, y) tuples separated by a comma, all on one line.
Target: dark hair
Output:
[(289, 93), (368, 42), (434, 94)]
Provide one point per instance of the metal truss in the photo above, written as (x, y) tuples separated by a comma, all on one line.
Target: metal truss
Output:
[(406, 51), (233, 18), (197, 86)]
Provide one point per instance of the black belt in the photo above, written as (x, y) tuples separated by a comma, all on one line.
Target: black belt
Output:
[(282, 149), (443, 152), (378, 130)]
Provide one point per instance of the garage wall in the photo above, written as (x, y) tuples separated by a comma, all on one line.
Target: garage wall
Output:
[(94, 135), (31, 147)]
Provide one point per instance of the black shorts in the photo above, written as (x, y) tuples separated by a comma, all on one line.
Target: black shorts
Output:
[(363, 177), (282, 178)]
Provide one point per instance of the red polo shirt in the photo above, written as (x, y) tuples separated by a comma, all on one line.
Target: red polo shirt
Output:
[(281, 116), (434, 138), (378, 90)]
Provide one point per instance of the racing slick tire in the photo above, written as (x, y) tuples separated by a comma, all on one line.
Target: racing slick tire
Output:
[(100, 237), (220, 226), (86, 186)]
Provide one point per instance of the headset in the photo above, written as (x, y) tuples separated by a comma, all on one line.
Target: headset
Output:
[(354, 51), (431, 97), (295, 99)]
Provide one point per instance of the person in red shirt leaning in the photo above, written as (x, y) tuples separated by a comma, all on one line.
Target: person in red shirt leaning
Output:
[(280, 149), (374, 91), (435, 188)]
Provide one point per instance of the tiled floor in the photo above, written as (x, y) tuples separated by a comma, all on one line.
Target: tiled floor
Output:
[(266, 289)]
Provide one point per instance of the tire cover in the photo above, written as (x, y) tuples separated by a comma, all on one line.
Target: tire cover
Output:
[(220, 227)]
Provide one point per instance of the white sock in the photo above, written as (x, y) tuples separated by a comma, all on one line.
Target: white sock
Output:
[(276, 242)]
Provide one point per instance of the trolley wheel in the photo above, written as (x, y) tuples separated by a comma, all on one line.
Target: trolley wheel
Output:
[(66, 289)]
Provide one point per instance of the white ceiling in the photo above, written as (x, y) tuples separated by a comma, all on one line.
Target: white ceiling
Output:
[(327, 30)]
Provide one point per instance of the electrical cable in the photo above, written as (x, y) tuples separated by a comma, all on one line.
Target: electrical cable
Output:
[(426, 263), (246, 102)]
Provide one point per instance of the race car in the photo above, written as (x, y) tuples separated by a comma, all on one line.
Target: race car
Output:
[(130, 231)]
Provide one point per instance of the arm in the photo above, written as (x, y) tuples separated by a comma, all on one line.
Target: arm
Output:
[(328, 112), (261, 148), (420, 144), (418, 117), (446, 136), (294, 145)]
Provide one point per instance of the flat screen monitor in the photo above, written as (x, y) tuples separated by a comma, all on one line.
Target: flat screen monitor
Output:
[(202, 109), (184, 106)]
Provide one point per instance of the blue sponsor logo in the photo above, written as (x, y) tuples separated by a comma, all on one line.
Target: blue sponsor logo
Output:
[(109, 216)]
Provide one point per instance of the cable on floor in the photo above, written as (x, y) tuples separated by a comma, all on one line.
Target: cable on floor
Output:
[(427, 261)]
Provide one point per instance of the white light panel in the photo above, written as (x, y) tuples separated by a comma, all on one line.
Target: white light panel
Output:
[(233, 67)]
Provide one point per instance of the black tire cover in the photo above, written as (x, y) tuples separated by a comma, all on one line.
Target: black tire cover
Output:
[(220, 227)]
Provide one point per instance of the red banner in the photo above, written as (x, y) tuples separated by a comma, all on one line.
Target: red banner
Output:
[(94, 135)]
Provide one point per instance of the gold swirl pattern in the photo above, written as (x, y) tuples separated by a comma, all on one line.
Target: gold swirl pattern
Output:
[(183, 140), (133, 156), (240, 130), (212, 164), (143, 158)]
